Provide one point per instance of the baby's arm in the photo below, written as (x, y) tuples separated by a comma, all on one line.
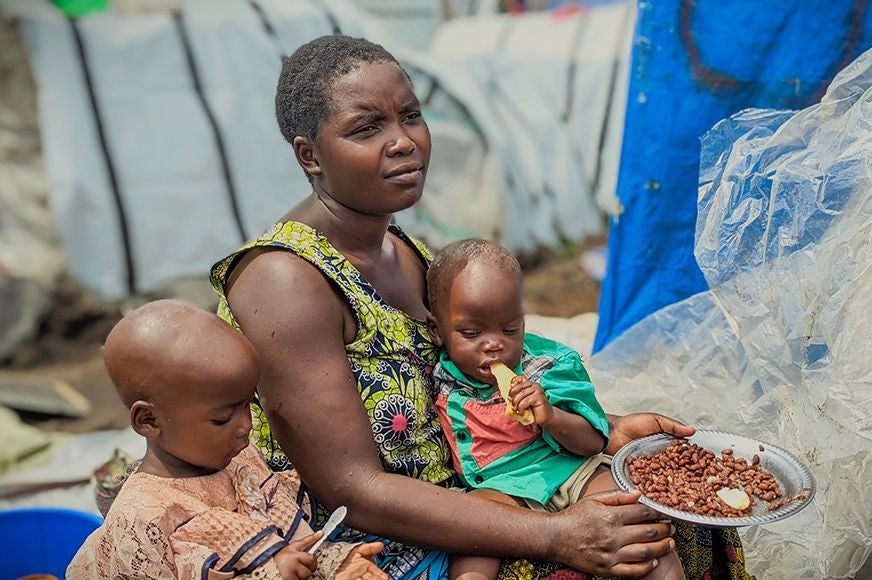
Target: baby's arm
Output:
[(572, 431), (293, 562), (341, 560)]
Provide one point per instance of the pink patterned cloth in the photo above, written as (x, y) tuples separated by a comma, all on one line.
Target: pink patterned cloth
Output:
[(213, 526)]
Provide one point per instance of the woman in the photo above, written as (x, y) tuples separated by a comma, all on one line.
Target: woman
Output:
[(333, 299)]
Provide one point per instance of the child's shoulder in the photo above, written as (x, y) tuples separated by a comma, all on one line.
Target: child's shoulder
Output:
[(142, 497), (538, 345), (252, 458), (133, 538)]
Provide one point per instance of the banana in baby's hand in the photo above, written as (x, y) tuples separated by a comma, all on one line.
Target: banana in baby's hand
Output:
[(504, 376)]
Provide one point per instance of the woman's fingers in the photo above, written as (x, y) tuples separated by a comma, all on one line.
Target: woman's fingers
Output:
[(625, 428), (619, 536), (620, 497), (642, 546), (369, 549), (673, 427)]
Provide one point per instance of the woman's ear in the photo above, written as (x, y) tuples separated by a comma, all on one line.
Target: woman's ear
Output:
[(434, 330), (144, 419), (305, 154)]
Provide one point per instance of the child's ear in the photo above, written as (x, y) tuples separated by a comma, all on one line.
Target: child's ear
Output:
[(434, 330), (143, 419), (305, 154)]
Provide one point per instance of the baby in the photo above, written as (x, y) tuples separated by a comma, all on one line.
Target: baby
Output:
[(203, 503), (477, 317)]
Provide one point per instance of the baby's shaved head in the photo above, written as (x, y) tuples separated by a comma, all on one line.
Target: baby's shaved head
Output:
[(164, 346), (455, 257)]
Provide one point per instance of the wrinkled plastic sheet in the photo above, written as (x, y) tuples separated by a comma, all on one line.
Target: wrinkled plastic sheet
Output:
[(779, 347)]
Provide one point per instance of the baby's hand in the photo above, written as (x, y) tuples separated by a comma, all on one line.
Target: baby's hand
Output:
[(526, 394), (293, 562), (359, 566)]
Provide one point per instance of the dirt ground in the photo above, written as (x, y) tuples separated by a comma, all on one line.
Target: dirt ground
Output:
[(68, 344)]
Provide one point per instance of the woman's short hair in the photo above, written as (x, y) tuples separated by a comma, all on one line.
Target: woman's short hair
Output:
[(303, 96)]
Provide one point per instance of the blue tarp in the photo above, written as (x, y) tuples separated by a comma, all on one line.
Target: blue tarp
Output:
[(695, 62)]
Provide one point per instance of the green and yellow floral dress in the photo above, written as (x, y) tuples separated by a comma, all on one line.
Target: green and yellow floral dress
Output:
[(391, 357)]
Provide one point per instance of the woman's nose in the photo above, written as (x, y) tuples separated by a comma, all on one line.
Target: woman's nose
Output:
[(401, 144)]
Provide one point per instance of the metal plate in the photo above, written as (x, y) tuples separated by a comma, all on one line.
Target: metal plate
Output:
[(792, 476)]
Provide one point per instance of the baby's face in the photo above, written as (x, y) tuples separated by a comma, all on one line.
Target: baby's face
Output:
[(483, 321), (207, 434), (208, 423)]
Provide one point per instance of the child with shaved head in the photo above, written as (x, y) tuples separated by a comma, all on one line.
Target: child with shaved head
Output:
[(546, 463), (203, 503)]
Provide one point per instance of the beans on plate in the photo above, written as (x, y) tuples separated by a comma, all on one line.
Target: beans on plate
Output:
[(687, 477)]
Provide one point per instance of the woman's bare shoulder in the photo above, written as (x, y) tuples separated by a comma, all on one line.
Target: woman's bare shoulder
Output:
[(274, 271), (278, 290)]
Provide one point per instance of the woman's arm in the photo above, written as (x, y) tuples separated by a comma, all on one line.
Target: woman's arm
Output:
[(299, 325)]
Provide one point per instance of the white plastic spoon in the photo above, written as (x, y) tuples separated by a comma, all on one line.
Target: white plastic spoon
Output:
[(332, 522)]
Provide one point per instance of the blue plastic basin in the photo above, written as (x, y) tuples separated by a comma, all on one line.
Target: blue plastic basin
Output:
[(41, 540)]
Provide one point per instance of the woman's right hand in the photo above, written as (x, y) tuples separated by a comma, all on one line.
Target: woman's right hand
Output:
[(611, 534)]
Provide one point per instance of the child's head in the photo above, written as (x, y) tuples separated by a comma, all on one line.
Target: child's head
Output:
[(188, 378), (475, 291)]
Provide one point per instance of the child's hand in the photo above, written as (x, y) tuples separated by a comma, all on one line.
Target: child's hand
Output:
[(526, 394), (293, 562), (359, 566)]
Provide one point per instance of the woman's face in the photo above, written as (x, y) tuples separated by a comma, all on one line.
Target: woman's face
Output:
[(483, 320), (373, 150)]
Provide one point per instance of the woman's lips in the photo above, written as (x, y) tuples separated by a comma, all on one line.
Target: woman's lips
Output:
[(407, 175), (410, 178)]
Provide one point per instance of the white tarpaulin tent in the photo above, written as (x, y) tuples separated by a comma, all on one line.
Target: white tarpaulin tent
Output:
[(163, 152)]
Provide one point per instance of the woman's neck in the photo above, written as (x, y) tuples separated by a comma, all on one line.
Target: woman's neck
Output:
[(352, 233), (390, 266)]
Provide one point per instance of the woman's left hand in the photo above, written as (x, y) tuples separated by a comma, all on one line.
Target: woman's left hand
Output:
[(625, 428), (359, 565)]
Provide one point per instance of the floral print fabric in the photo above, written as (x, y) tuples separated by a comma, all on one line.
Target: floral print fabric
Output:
[(391, 357)]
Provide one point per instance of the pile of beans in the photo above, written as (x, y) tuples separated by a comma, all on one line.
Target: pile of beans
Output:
[(687, 477)]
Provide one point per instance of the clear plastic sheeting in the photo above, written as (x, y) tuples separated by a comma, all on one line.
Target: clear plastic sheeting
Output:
[(778, 349)]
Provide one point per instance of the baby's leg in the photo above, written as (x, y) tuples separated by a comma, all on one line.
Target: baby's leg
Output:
[(479, 567), (601, 480), (668, 566)]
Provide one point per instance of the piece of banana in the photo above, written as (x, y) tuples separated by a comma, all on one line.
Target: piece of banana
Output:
[(735, 498), (504, 376)]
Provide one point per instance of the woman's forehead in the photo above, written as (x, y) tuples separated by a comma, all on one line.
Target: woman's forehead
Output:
[(368, 84)]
